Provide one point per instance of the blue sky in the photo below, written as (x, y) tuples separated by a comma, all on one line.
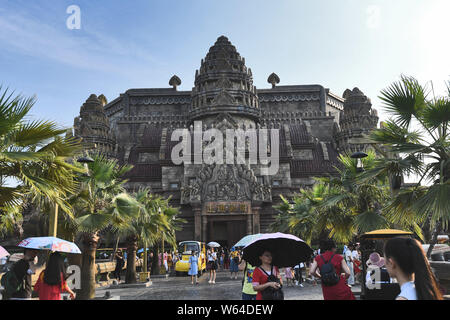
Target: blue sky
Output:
[(138, 44)]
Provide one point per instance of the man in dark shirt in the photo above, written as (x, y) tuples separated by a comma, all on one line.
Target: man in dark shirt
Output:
[(23, 273)]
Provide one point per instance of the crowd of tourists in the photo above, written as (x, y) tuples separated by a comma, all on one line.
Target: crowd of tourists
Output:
[(402, 261), (50, 284)]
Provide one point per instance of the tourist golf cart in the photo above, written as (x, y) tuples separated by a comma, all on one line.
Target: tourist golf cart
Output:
[(185, 249), (374, 241)]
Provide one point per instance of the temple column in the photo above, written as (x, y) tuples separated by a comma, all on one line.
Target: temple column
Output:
[(256, 213), (204, 227), (197, 224), (249, 223)]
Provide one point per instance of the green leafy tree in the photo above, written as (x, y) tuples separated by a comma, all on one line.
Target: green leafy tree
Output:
[(33, 160), (157, 221), (416, 140), (100, 202), (339, 207)]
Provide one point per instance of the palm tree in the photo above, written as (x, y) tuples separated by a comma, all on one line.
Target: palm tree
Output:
[(33, 159), (101, 201), (157, 221), (339, 207), (299, 216), (418, 130)]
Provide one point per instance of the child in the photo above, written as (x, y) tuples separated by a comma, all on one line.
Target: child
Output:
[(288, 275)]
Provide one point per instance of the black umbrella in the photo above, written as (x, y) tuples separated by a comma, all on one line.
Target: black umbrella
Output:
[(287, 250)]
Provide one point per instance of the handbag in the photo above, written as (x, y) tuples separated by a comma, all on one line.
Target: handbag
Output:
[(270, 293)]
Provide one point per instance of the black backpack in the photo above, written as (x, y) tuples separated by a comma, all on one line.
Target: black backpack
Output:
[(328, 273), (270, 293), (11, 284)]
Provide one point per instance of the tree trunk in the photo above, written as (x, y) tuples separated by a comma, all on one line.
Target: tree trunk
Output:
[(433, 241), (115, 249), (131, 260), (426, 230), (90, 242)]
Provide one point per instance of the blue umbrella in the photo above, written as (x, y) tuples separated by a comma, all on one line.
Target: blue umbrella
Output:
[(142, 250), (247, 239)]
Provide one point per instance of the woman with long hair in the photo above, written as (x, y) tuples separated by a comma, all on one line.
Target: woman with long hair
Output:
[(212, 262), (405, 260), (51, 282)]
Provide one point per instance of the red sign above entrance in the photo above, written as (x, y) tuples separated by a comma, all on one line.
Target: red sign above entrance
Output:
[(227, 207)]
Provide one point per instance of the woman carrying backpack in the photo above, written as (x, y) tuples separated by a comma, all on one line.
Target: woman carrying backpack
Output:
[(331, 266)]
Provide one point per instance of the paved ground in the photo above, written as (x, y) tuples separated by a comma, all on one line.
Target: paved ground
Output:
[(180, 288)]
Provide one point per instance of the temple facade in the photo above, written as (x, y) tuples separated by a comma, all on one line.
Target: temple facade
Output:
[(223, 202)]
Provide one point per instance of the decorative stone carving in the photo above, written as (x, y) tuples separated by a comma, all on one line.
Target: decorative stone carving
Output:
[(225, 183), (103, 99), (223, 98), (224, 83), (174, 81), (288, 97), (273, 79), (159, 100), (356, 119)]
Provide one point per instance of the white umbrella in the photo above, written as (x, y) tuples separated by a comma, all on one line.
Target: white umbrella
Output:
[(213, 244), (49, 243)]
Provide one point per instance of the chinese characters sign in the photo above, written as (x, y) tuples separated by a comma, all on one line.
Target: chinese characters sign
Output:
[(227, 207)]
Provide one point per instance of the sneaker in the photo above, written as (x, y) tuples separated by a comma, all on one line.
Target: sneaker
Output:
[(209, 281), (301, 285), (296, 282), (214, 282)]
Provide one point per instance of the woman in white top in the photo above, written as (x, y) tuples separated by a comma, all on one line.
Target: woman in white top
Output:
[(212, 262), (406, 261)]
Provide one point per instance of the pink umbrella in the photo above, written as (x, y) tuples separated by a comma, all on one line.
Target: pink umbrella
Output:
[(3, 252), (287, 250)]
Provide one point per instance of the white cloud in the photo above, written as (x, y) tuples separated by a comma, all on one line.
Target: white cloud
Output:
[(76, 48)]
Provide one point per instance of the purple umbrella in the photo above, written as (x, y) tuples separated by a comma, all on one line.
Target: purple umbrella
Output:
[(287, 250)]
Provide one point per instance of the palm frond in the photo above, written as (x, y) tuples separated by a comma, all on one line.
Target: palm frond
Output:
[(437, 114), (404, 100)]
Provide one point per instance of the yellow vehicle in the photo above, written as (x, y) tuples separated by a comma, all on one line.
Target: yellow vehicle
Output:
[(185, 249)]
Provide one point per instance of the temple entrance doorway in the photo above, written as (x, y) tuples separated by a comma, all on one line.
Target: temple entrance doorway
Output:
[(226, 233)]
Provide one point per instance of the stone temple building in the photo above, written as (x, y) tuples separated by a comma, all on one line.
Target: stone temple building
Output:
[(225, 202)]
